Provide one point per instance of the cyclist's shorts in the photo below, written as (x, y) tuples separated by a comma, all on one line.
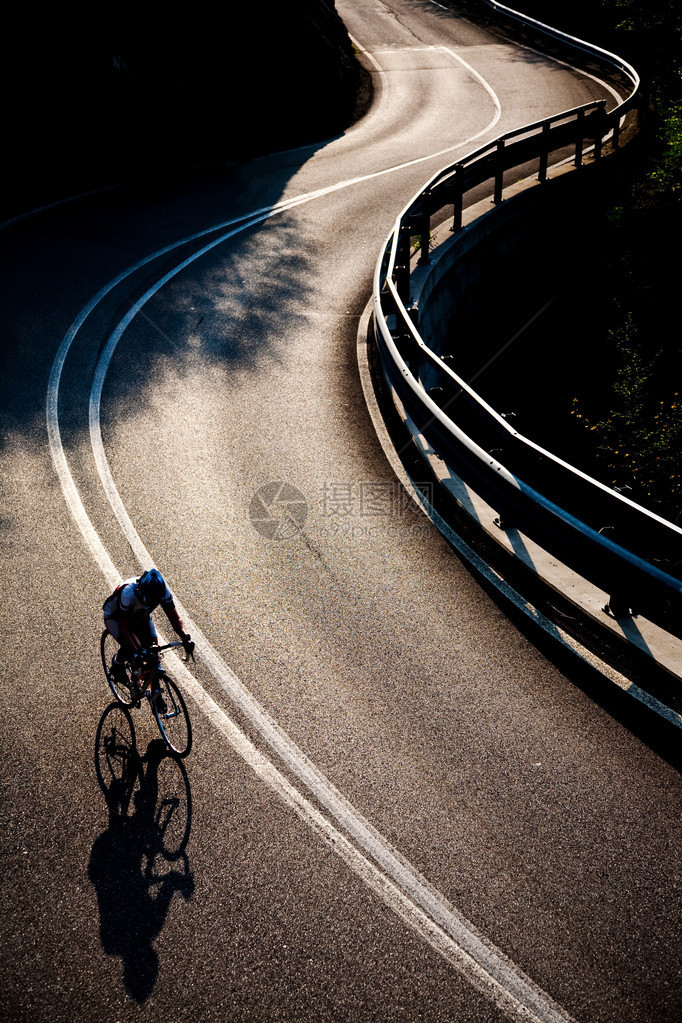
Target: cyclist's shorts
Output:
[(144, 630)]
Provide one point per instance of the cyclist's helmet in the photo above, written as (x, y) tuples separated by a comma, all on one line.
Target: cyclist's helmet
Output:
[(151, 587)]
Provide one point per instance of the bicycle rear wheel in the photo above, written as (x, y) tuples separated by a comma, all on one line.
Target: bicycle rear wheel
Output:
[(108, 647), (170, 712)]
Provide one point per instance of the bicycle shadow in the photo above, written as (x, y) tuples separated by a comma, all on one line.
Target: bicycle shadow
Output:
[(140, 861)]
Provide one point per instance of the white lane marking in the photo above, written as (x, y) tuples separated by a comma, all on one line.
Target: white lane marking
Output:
[(441, 152), (428, 914), (246, 220), (480, 79), (480, 962), (415, 901), (394, 879)]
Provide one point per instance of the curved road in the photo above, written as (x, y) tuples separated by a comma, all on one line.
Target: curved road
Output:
[(398, 806)]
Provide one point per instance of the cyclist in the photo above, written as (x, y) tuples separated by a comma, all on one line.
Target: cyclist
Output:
[(128, 617)]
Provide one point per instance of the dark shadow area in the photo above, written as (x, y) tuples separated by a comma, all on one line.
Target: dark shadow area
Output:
[(538, 368), (119, 93), (178, 168), (52, 266), (140, 861), (227, 315), (564, 373)]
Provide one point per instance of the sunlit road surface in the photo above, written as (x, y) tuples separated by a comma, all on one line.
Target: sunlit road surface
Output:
[(397, 806)]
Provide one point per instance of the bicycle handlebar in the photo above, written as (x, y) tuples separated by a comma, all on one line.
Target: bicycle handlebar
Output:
[(155, 650), (178, 642)]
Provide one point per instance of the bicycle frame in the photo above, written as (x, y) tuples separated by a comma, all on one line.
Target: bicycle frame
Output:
[(147, 672)]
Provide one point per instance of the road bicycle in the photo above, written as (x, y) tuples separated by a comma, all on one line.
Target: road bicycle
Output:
[(146, 679)]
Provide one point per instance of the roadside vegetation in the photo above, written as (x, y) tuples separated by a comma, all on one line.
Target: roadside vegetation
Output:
[(626, 411), (636, 423)]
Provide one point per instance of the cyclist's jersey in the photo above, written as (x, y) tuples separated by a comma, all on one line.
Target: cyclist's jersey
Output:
[(124, 602)]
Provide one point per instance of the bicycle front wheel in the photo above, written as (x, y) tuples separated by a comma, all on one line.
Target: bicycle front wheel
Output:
[(170, 712), (108, 647)]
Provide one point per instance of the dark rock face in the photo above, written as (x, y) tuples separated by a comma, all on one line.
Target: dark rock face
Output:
[(132, 90)]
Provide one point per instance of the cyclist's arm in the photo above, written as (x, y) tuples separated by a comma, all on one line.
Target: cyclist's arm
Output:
[(175, 620), (179, 626)]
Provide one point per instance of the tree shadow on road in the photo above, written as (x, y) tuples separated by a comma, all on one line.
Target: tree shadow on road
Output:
[(140, 861)]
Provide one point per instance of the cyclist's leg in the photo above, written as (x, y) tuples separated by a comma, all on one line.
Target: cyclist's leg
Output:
[(146, 632), (125, 650), (117, 671), (144, 635), (117, 667), (111, 625)]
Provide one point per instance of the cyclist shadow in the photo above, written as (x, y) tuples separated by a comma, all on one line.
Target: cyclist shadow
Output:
[(140, 861)]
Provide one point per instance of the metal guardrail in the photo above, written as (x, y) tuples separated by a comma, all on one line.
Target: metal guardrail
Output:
[(600, 533)]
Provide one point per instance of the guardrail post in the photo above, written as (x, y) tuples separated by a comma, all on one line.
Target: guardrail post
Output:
[(499, 172), (602, 127), (618, 607), (458, 200), (597, 147), (578, 160), (407, 348), (402, 263), (424, 232), (616, 134), (544, 156)]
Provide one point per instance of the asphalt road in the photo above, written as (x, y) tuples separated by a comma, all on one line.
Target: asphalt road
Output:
[(398, 806)]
